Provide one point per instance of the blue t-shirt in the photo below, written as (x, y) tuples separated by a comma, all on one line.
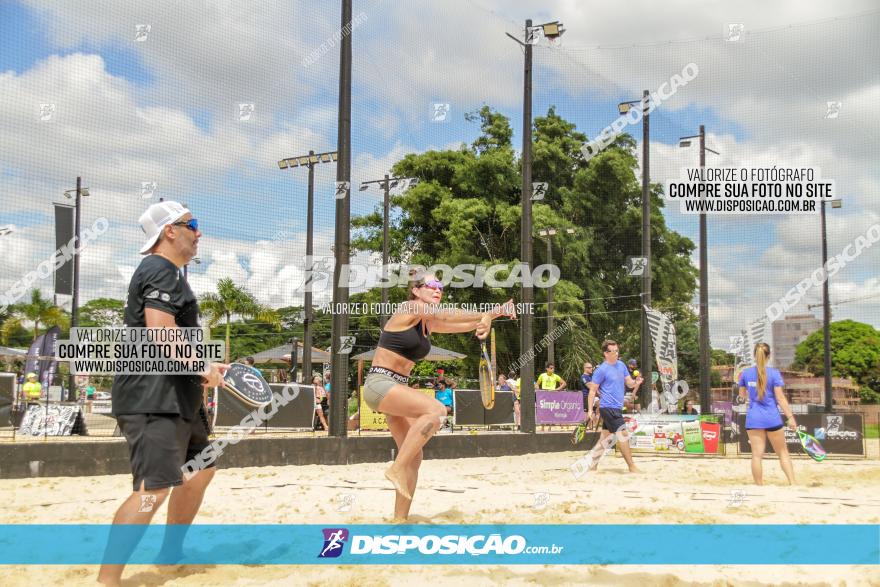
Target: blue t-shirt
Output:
[(612, 384), (444, 396), (762, 413)]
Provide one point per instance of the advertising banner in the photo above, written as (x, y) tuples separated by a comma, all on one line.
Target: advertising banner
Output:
[(559, 407), (49, 420), (371, 420), (837, 433), (665, 351), (675, 433), (711, 434)]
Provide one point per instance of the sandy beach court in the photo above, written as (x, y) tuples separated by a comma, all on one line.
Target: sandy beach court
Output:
[(536, 489)]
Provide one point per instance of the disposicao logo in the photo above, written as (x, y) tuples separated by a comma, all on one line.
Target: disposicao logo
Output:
[(334, 540)]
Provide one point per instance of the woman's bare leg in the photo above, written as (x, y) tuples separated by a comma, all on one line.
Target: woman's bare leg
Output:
[(320, 413), (777, 441), (399, 427), (426, 416), (758, 441)]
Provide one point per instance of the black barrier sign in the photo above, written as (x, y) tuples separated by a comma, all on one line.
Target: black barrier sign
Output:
[(469, 409), (837, 433)]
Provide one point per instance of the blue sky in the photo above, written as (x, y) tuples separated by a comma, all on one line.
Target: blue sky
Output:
[(166, 110)]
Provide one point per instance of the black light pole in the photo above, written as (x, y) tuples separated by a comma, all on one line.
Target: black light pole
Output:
[(705, 378), (526, 332), (74, 303), (624, 107), (339, 362), (307, 296), (309, 161), (386, 184), (705, 364), (826, 313), (386, 213)]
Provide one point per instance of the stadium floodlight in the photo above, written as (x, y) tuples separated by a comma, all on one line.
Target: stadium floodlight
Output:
[(309, 161)]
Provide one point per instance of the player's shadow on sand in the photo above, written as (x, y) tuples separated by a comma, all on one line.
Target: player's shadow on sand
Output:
[(454, 516), (165, 574)]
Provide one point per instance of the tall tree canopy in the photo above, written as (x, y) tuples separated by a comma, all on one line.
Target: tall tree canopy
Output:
[(466, 209)]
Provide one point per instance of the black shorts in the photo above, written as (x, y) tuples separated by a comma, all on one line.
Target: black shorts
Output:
[(159, 445), (612, 419), (773, 429)]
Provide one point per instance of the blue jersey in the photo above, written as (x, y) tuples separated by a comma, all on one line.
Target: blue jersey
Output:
[(444, 396), (762, 413), (612, 384)]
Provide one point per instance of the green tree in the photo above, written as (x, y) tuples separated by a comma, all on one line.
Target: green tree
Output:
[(855, 353), (466, 209), (102, 312), (232, 300), (39, 312)]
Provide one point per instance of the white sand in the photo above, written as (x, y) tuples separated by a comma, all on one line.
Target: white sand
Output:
[(482, 490)]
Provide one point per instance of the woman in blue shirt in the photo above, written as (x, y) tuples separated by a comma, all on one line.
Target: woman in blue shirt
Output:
[(762, 386)]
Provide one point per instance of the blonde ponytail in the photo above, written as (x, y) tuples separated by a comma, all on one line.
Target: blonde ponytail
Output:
[(762, 353)]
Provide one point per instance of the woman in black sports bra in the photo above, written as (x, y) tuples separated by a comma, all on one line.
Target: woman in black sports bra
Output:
[(412, 416)]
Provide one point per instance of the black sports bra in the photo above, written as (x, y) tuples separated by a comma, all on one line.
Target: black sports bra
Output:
[(410, 344)]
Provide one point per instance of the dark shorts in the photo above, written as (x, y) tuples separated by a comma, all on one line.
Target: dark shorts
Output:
[(159, 445), (612, 419), (773, 429)]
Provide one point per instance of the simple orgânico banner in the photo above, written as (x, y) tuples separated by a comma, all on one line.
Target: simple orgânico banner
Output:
[(559, 407)]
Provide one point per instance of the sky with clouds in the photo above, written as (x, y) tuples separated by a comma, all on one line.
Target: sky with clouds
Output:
[(164, 108)]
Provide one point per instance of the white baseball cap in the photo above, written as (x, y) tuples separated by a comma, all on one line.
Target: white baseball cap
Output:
[(156, 217)]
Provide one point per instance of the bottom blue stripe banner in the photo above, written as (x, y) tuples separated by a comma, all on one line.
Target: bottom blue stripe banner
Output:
[(481, 544)]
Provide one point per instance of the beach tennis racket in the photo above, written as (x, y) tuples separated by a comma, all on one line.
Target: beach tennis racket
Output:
[(487, 379), (812, 446), (494, 363), (247, 384), (579, 432)]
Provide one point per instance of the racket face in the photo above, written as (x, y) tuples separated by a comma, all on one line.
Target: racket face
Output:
[(492, 349), (812, 446), (247, 383), (487, 389)]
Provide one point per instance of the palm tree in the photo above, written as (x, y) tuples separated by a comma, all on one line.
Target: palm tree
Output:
[(39, 311), (233, 300)]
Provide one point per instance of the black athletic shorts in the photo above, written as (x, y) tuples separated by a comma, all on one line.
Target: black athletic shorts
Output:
[(612, 419), (774, 429), (160, 444)]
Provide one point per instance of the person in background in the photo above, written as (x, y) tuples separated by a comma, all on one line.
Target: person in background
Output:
[(584, 387), (513, 382), (249, 361), (502, 384), (632, 396), (32, 388), (320, 396), (689, 409), (549, 380), (762, 386), (444, 396)]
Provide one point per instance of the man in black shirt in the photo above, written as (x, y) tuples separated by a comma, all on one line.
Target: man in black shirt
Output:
[(161, 416)]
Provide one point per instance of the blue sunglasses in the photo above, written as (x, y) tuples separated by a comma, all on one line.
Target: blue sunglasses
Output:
[(191, 224)]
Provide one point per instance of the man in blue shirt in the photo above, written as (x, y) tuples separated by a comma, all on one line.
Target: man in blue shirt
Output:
[(610, 380), (444, 396)]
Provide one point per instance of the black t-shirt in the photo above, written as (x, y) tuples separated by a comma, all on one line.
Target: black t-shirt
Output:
[(157, 284)]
